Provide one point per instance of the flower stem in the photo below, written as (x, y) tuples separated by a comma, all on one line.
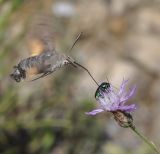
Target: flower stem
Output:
[(150, 143)]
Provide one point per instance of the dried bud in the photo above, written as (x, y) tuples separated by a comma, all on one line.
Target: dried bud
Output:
[(124, 119)]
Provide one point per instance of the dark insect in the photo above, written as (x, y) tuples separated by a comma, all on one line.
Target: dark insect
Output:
[(44, 59), (102, 88)]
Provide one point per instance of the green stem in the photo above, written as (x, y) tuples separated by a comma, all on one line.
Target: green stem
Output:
[(150, 143)]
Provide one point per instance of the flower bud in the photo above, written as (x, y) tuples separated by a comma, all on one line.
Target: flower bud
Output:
[(124, 119)]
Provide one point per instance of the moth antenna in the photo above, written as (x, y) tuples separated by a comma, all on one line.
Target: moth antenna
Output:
[(76, 40), (77, 64)]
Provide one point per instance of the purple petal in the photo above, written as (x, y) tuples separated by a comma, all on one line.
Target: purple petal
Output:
[(127, 96), (103, 102), (132, 91), (128, 108), (94, 112), (114, 97), (124, 82), (106, 104)]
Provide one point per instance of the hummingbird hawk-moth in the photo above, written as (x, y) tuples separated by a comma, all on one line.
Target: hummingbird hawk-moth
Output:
[(44, 59)]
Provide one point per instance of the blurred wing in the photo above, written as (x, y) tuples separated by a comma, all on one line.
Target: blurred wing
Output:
[(41, 35)]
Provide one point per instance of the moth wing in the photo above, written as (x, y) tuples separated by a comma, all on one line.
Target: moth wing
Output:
[(40, 37), (40, 40)]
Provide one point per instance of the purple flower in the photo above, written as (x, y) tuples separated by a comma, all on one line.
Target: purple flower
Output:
[(112, 99)]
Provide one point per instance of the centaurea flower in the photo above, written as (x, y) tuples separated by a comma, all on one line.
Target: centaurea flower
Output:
[(110, 99)]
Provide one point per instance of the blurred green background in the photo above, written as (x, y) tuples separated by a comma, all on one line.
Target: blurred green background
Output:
[(121, 40)]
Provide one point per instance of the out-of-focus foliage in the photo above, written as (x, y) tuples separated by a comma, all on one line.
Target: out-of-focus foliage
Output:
[(121, 39)]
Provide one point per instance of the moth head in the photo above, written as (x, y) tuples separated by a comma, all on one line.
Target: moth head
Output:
[(18, 74)]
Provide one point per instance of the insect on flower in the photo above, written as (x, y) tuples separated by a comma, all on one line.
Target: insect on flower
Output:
[(103, 87), (44, 59), (113, 100)]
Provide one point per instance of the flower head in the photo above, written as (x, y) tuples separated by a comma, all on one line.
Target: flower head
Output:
[(111, 99)]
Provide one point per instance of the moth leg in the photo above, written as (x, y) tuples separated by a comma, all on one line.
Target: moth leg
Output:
[(43, 75)]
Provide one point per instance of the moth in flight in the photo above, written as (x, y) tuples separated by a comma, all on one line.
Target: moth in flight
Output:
[(44, 59)]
